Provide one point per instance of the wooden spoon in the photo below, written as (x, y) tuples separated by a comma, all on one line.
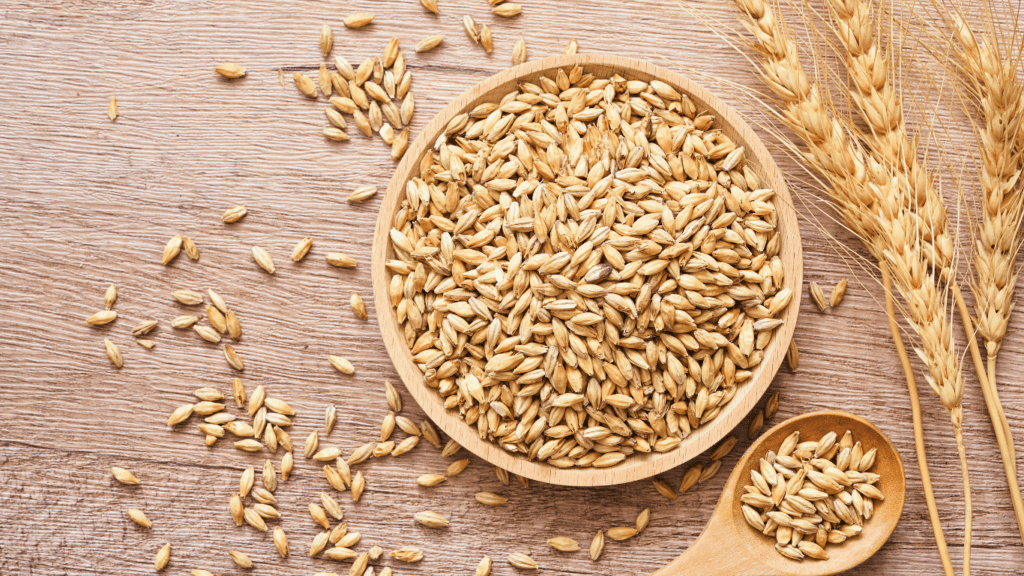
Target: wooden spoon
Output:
[(729, 546)]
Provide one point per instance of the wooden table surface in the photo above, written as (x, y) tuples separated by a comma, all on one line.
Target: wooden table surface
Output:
[(85, 202)]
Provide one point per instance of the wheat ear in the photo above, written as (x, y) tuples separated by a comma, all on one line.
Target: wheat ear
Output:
[(880, 107), (875, 206), (993, 81)]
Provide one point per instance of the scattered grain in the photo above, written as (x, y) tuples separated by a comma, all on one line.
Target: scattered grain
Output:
[(229, 70), (429, 43), (232, 215), (358, 20), (833, 300)]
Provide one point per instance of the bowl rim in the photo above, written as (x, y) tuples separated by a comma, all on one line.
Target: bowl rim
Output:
[(638, 466)]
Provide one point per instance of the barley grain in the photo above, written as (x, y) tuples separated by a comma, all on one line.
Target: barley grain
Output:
[(305, 85), (358, 20), (187, 297), (709, 471), (349, 540), (207, 333), (326, 40), (522, 561), (564, 544), (110, 296), (319, 516), (318, 543), (341, 260), (485, 38), (245, 482), (191, 250), (240, 559), (756, 425), (771, 406), (341, 364), (249, 445), (113, 353), (263, 259), (216, 319), (835, 297), (338, 553), (184, 321), (519, 52), (818, 296), (171, 250), (450, 448), (394, 400), (139, 517), (180, 414), (144, 327), (597, 546), (287, 464), (362, 193), (429, 43), (163, 556), (233, 359), (262, 496), (724, 448), (431, 519), (335, 134), (507, 9), (491, 499), (457, 467), (301, 249), (643, 519), (281, 542), (112, 112), (469, 25), (358, 485), (431, 434), (232, 215), (229, 70), (429, 480), (621, 533), (233, 326), (664, 489), (358, 307), (331, 506), (483, 568)]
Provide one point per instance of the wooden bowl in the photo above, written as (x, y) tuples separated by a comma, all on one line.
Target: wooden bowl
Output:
[(637, 466)]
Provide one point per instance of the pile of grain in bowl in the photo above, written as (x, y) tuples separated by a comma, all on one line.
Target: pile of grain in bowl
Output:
[(586, 269), (812, 494)]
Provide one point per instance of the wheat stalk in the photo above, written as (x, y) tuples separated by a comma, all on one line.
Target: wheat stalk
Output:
[(992, 79), (893, 215), (880, 107)]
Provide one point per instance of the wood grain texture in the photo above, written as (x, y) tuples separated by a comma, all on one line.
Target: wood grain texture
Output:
[(85, 202), (639, 466)]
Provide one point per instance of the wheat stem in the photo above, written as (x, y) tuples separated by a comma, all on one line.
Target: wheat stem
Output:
[(991, 397), (1006, 425), (958, 429), (915, 411)]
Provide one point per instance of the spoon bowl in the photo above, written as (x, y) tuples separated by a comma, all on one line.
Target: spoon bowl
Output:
[(730, 546)]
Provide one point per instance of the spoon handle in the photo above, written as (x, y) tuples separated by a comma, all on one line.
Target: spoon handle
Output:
[(718, 551)]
